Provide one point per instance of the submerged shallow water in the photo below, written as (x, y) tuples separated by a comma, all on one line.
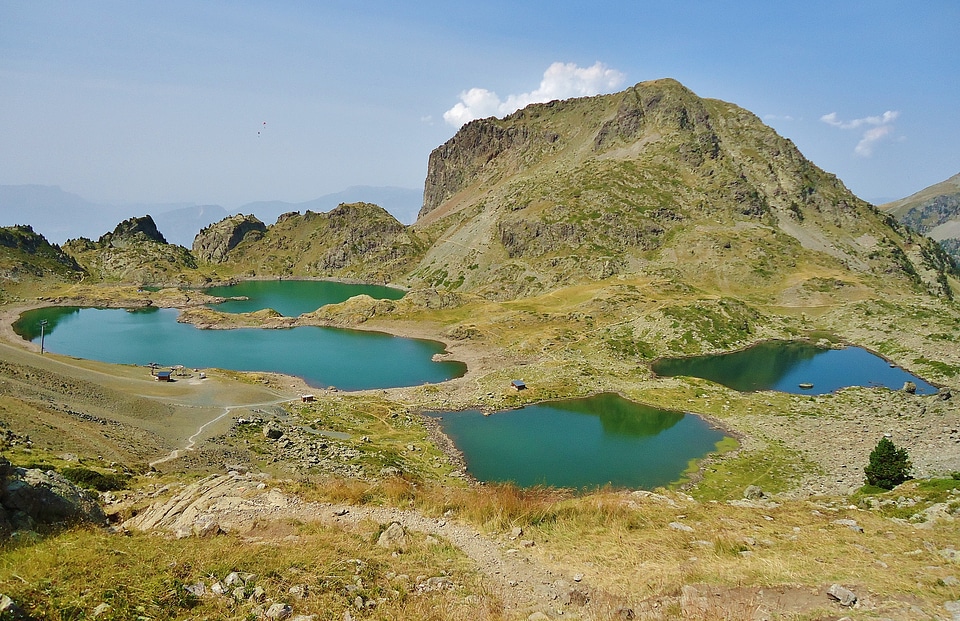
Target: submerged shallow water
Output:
[(580, 443)]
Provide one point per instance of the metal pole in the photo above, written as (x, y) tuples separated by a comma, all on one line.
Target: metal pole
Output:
[(43, 324)]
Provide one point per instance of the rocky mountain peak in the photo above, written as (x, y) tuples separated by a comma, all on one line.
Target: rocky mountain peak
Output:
[(133, 230), (653, 177)]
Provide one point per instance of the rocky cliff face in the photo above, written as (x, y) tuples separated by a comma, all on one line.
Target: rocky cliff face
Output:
[(653, 179), (214, 242)]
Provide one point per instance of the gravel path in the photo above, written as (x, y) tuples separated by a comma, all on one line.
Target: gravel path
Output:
[(236, 502)]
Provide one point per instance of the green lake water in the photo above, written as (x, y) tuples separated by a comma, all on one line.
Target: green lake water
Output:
[(347, 359), (581, 443), (785, 365), (293, 298)]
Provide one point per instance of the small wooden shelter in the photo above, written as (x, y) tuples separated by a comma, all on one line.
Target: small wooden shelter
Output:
[(518, 385)]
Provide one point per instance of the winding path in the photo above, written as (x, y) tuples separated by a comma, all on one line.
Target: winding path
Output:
[(192, 440), (238, 502)]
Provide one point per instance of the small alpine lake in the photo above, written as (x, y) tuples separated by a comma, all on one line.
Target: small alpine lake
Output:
[(292, 298), (580, 443), (796, 367), (347, 359)]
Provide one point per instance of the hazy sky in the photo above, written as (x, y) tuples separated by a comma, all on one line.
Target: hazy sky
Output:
[(231, 102)]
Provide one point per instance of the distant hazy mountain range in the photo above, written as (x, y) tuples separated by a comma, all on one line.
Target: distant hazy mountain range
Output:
[(60, 215)]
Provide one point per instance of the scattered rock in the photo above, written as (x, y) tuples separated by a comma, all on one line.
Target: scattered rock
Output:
[(851, 524), (910, 388), (753, 492), (199, 589), (681, 527), (100, 609), (394, 537), (272, 433), (845, 596), (278, 611), (538, 616), (300, 591)]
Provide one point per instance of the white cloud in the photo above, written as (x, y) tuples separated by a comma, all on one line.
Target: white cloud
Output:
[(560, 81), (878, 127), (864, 148)]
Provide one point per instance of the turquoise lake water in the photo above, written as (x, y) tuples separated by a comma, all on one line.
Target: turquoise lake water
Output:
[(347, 359), (784, 365), (293, 298), (581, 443)]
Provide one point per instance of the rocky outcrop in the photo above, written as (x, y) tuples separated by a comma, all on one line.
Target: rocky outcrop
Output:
[(214, 242), (31, 498), (24, 252), (453, 165), (133, 230)]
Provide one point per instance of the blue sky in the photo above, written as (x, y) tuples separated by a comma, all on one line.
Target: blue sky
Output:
[(166, 101)]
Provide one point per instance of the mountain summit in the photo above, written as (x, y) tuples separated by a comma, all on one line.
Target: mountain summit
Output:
[(652, 179)]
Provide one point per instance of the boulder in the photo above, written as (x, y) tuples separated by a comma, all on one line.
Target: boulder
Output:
[(278, 611), (845, 596), (29, 497), (393, 537)]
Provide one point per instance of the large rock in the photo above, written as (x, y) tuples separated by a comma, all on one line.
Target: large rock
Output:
[(394, 537), (31, 497)]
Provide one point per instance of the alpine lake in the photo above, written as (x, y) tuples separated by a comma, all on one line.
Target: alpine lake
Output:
[(346, 359), (577, 443), (797, 367)]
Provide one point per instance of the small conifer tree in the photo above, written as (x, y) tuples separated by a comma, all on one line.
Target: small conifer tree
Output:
[(889, 465)]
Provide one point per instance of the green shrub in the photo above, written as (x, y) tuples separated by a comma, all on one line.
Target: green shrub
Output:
[(92, 479), (889, 466)]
